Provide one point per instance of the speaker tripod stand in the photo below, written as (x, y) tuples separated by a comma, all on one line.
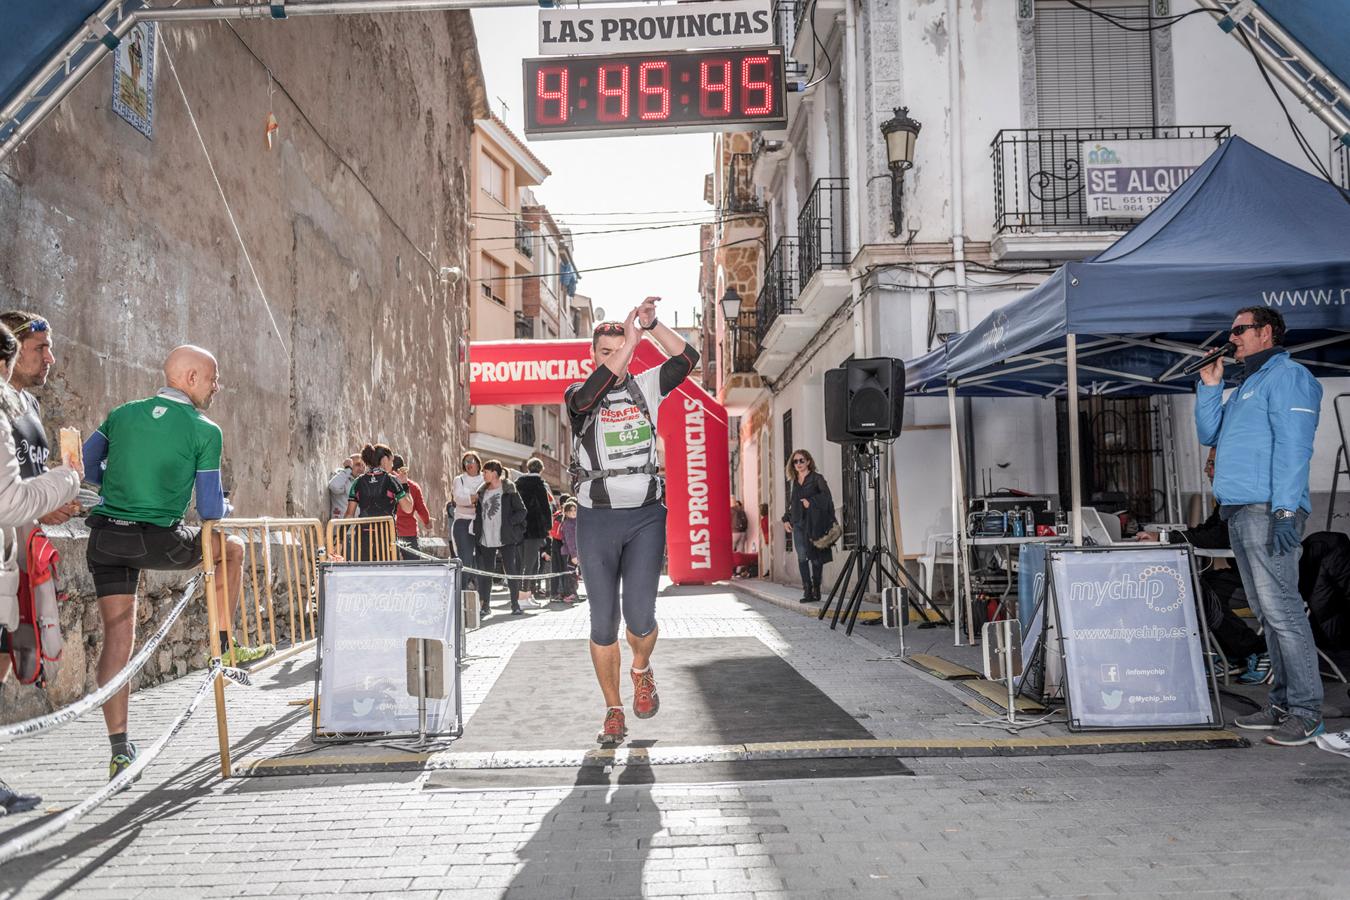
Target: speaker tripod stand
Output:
[(875, 560)]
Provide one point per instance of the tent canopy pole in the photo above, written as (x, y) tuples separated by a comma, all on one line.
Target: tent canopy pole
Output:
[(1075, 457), (961, 609)]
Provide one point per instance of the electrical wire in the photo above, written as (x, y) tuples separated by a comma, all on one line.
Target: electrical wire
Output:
[(735, 218), (375, 198), (1119, 21), (1299, 137), (815, 38), (627, 265), (707, 216)]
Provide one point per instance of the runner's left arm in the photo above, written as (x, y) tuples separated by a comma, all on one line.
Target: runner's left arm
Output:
[(95, 455), (683, 356), (211, 502)]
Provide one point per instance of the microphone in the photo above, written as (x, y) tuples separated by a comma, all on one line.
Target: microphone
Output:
[(1196, 366)]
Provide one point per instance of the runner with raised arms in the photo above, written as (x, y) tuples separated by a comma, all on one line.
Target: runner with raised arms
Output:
[(621, 519)]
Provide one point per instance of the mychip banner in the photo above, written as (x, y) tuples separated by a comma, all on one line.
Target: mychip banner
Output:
[(1131, 637), (367, 613)]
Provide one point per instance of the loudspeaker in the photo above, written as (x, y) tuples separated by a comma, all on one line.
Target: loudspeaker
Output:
[(836, 407), (864, 400)]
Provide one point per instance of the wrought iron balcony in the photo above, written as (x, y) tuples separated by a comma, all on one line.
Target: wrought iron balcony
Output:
[(785, 16), (742, 343), (524, 239), (822, 229), (524, 326), (1038, 175), (738, 189), (524, 427), (779, 293)]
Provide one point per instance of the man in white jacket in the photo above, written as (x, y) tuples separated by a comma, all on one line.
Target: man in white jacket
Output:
[(22, 501)]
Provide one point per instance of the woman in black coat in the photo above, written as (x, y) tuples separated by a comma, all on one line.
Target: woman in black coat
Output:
[(810, 514)]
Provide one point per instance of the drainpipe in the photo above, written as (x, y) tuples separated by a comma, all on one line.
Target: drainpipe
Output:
[(855, 181), (956, 145), (957, 162)]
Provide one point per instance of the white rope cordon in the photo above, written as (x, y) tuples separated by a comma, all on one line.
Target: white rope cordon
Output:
[(223, 199), (30, 839), (468, 571), (99, 697)]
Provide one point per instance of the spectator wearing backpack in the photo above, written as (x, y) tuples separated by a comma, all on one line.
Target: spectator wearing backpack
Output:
[(538, 519), (740, 526), (375, 494), (499, 522)]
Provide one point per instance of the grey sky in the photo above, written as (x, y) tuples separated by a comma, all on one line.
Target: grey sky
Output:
[(608, 175)]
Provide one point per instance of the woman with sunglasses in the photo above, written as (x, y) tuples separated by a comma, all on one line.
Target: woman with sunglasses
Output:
[(810, 514), (621, 515)]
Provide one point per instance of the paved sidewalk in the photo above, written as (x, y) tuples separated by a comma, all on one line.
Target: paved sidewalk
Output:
[(1136, 824)]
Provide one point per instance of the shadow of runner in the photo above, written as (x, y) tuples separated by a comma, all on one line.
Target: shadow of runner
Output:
[(594, 843)]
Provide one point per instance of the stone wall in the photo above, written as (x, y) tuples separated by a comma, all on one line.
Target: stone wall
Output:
[(349, 220)]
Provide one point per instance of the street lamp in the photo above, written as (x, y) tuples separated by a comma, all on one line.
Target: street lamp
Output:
[(901, 132), (731, 305)]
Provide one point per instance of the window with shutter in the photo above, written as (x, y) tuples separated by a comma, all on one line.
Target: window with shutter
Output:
[(1090, 72)]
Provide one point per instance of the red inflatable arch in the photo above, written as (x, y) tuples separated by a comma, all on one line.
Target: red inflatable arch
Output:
[(691, 424)]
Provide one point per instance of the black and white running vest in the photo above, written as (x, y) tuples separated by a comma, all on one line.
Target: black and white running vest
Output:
[(614, 464)]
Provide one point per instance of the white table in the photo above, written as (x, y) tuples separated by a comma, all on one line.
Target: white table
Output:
[(1216, 553), (995, 541)]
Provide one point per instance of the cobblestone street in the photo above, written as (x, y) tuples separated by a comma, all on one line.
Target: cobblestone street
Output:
[(1128, 823)]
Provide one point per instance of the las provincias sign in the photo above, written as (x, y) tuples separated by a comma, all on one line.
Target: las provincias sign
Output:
[(681, 26)]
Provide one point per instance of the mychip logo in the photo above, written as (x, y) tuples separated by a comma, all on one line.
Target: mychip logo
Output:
[(1160, 587)]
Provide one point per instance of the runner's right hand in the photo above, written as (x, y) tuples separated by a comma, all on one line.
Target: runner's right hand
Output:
[(632, 332)]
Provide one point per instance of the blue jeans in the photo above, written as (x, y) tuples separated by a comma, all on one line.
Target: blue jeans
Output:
[(1271, 583)]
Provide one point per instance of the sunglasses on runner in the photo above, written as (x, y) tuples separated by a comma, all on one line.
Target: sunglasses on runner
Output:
[(1242, 329), (609, 328)]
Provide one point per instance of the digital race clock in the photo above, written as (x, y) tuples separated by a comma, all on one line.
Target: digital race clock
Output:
[(584, 96)]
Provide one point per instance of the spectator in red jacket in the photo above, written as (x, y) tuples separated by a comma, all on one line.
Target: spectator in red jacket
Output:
[(405, 523)]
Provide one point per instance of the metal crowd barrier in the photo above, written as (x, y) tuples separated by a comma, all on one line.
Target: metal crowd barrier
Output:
[(298, 543), (369, 539)]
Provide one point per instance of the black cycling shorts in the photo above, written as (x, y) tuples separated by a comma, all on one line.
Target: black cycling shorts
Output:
[(119, 550)]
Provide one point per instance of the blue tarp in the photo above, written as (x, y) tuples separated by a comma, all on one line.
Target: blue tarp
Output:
[(1321, 26), (1246, 229)]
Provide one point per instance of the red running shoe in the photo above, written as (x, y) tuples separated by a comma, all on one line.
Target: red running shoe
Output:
[(614, 730), (645, 701)]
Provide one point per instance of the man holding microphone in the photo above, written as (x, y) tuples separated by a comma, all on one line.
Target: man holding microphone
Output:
[(1264, 440)]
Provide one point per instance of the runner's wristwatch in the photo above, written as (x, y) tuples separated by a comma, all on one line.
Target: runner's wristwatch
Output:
[(651, 326)]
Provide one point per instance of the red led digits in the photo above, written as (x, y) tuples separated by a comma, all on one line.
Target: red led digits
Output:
[(611, 99), (714, 80), (665, 91), (543, 97), (756, 88), (654, 82)]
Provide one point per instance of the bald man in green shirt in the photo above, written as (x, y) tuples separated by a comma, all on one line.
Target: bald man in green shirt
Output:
[(150, 456)]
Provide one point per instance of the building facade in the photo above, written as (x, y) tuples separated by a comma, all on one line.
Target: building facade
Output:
[(842, 262), (503, 269)]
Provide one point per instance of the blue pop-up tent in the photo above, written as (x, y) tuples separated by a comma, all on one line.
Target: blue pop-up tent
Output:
[(1246, 229)]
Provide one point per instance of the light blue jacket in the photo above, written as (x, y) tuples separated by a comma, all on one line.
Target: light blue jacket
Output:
[(1264, 434)]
